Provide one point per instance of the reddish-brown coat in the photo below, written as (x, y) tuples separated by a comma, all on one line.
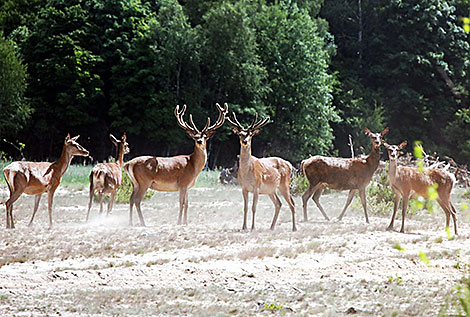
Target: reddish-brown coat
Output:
[(35, 178), (353, 174)]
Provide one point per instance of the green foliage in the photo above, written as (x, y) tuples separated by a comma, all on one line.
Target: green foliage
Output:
[(124, 192), (380, 195), (298, 184), (13, 104), (295, 52), (274, 306)]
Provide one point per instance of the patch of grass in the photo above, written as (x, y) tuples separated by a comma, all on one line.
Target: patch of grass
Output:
[(208, 178), (257, 252), (77, 176), (274, 306)]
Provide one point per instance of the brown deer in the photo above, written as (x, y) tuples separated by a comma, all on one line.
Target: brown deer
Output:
[(177, 173), (406, 181), (107, 177), (35, 178), (353, 174), (261, 175)]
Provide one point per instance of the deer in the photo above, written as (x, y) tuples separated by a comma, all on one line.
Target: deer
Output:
[(36, 178), (177, 173), (353, 174), (407, 181), (261, 175), (107, 177)]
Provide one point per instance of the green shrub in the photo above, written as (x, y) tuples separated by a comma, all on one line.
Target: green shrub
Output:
[(124, 192), (298, 184), (380, 195)]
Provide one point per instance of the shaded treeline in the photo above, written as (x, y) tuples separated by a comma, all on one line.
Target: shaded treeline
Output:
[(320, 70)]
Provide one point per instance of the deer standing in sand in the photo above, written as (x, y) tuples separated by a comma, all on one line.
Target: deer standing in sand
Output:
[(177, 173), (35, 178), (261, 175), (353, 174), (406, 181), (107, 177)]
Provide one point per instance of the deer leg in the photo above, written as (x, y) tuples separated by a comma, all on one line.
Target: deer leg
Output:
[(305, 197), (136, 197), (50, 199), (362, 195), (245, 208), (454, 216), (90, 202), (406, 198), (111, 202), (447, 210), (183, 192), (290, 201), (140, 196), (37, 198), (253, 208), (186, 205), (277, 206), (9, 208), (395, 208), (348, 202), (316, 199), (100, 196)]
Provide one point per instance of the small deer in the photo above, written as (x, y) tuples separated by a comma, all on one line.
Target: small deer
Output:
[(35, 178), (406, 181), (261, 175), (353, 174), (177, 173), (107, 177)]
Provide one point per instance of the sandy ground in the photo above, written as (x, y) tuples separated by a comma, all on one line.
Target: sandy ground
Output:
[(211, 267)]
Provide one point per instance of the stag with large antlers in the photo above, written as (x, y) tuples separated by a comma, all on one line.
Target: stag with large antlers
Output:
[(177, 173), (409, 180), (261, 175), (35, 178), (353, 174), (107, 177)]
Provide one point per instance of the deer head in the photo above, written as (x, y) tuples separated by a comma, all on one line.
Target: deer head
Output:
[(73, 148), (394, 150), (120, 143), (200, 137), (247, 134), (376, 137)]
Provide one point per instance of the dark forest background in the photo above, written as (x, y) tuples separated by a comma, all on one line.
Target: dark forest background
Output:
[(320, 69)]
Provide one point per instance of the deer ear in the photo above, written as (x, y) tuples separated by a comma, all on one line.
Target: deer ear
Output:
[(385, 131), (386, 145), (402, 145), (255, 132), (124, 137), (67, 137), (367, 132), (75, 137), (113, 139)]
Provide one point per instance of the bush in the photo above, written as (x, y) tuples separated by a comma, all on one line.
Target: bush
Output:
[(124, 192), (380, 194)]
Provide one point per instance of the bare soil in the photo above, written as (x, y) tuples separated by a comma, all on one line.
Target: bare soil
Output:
[(211, 267)]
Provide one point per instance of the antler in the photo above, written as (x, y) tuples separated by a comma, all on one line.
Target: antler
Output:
[(220, 120), (253, 126), (179, 118)]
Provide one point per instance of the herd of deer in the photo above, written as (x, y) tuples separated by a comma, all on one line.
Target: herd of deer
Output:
[(255, 175)]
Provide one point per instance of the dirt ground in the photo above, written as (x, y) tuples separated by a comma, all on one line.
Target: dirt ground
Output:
[(212, 268)]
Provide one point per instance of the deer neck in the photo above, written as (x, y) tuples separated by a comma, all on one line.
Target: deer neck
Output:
[(199, 158), (120, 155), (373, 159), (392, 169), (245, 157), (63, 162)]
